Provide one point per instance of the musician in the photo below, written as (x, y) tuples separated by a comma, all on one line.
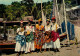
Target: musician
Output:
[(55, 35), (47, 43), (39, 35), (29, 37), (20, 39)]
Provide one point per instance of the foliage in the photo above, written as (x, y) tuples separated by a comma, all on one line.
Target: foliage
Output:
[(2, 10), (69, 3), (28, 8), (48, 8)]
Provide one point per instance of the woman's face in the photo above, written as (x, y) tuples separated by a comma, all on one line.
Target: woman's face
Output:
[(39, 22), (47, 22), (29, 23), (53, 21), (21, 25)]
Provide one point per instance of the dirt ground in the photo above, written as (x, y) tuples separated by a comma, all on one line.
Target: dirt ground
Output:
[(64, 51)]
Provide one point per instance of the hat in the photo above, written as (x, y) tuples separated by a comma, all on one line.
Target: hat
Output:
[(48, 20), (53, 18), (39, 20), (21, 22)]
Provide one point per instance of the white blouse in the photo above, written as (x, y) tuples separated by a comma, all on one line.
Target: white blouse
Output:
[(47, 27), (20, 33), (30, 28), (54, 27)]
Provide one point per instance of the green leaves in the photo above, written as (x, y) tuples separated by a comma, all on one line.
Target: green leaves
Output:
[(26, 8), (47, 9), (16, 10)]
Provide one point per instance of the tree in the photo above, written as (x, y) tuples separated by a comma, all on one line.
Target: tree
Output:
[(16, 10), (2, 10), (28, 8), (28, 4), (47, 8), (10, 13)]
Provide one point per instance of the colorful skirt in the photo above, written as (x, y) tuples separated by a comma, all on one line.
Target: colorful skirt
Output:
[(20, 43), (38, 45), (39, 38)]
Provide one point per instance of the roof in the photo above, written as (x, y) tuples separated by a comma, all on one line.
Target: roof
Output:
[(16, 21)]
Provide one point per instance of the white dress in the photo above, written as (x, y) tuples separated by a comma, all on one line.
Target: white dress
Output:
[(56, 44), (47, 45), (18, 46), (29, 45)]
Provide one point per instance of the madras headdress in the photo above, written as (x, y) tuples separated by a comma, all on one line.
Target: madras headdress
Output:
[(31, 19), (39, 20), (21, 22), (53, 18), (48, 20)]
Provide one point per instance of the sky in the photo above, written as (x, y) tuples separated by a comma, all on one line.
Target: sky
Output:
[(8, 2), (39, 1)]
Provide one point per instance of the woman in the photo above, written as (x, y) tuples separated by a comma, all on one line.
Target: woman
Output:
[(20, 39), (39, 35), (29, 37), (48, 43), (55, 35)]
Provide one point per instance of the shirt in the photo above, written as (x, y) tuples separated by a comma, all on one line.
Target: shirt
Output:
[(47, 27), (54, 27), (20, 33), (39, 27), (30, 28)]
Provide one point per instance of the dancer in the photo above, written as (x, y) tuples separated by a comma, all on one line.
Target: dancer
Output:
[(20, 39), (39, 35), (55, 35), (47, 43), (29, 37)]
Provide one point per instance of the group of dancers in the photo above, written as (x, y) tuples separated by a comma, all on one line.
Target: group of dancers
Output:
[(38, 37)]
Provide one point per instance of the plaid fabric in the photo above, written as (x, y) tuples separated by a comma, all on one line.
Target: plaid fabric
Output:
[(21, 39), (30, 37)]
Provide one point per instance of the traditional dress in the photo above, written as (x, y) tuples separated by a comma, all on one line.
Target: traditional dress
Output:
[(39, 36), (20, 40), (48, 43), (29, 39), (55, 36)]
